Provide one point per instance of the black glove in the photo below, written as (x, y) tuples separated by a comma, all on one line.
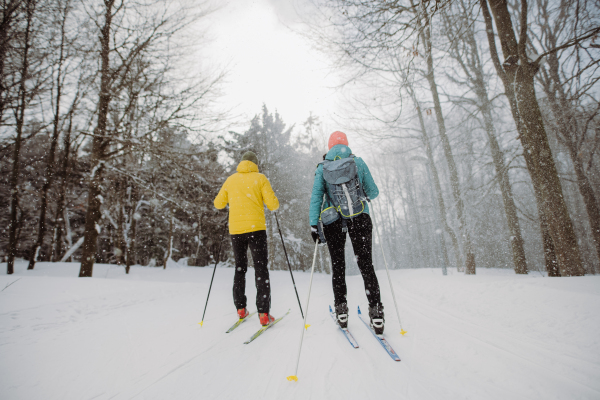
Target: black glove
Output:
[(314, 232)]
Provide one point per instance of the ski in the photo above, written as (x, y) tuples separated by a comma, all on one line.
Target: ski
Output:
[(264, 328), (380, 338), (346, 332), (239, 322)]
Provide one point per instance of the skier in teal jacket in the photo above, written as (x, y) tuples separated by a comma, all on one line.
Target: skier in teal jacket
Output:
[(360, 230)]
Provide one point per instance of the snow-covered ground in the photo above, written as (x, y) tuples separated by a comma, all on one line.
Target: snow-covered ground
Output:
[(490, 336)]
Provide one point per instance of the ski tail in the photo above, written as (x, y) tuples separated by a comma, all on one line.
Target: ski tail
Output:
[(264, 328), (384, 343), (345, 331), (239, 322)]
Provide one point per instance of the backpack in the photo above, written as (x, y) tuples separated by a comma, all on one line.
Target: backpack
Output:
[(343, 190)]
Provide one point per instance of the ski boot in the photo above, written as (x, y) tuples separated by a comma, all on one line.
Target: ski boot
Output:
[(265, 318), (243, 313), (377, 319), (341, 314)]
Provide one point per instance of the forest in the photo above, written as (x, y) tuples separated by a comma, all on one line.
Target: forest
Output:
[(479, 119)]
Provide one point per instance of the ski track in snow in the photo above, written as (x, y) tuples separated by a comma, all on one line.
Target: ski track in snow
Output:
[(495, 335)]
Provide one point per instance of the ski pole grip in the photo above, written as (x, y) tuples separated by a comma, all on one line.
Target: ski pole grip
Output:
[(321, 233)]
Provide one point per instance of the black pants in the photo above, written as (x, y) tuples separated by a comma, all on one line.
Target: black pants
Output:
[(360, 230), (260, 255)]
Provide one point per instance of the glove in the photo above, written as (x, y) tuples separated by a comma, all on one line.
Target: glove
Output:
[(314, 232)]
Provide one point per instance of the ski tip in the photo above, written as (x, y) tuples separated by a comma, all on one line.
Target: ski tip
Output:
[(201, 323), (402, 332), (306, 326), (292, 378)]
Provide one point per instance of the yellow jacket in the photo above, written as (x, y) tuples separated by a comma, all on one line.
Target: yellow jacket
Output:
[(246, 191)]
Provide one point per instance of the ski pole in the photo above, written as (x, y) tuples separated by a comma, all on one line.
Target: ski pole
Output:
[(213, 277), (289, 266), (402, 331), (312, 270)]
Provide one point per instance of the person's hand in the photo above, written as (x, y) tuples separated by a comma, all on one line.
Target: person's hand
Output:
[(314, 232)]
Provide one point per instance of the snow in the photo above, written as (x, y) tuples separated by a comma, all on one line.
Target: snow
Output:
[(494, 335)]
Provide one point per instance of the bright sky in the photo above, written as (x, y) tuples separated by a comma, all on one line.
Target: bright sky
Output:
[(269, 63)]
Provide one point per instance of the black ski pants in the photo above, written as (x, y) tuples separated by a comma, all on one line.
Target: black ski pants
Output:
[(257, 241), (360, 230)]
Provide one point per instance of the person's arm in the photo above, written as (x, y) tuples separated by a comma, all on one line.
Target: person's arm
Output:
[(367, 182), (222, 198), (316, 198), (268, 195)]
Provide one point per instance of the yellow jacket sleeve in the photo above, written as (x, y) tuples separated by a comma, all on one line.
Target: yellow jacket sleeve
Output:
[(222, 199), (268, 195)]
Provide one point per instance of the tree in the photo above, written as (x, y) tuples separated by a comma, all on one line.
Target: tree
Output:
[(568, 87), (460, 31), (521, 70), (24, 95), (134, 49), (50, 166)]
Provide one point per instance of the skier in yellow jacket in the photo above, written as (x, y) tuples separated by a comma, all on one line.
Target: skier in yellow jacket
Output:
[(245, 192)]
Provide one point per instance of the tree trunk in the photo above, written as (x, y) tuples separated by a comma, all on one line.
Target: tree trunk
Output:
[(521, 71), (170, 244), (438, 190), (549, 250), (92, 216), (131, 253), (589, 198), (60, 206), (413, 203), (473, 69), (97, 156), (20, 114), (121, 244), (50, 166), (510, 209), (454, 181), (568, 126)]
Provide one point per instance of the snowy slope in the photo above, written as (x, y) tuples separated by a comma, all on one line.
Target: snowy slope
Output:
[(490, 336)]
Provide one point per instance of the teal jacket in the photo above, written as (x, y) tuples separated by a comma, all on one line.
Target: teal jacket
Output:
[(319, 188)]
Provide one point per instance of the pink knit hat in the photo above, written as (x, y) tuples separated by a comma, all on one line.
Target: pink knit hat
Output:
[(337, 137)]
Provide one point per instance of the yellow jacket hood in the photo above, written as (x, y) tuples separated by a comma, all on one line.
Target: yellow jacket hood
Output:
[(247, 166)]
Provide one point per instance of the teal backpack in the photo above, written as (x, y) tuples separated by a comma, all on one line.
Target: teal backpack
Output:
[(344, 191)]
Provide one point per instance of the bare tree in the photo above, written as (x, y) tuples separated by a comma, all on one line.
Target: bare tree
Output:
[(133, 39), (568, 86), (436, 181), (24, 96), (518, 72), (50, 166), (425, 34), (460, 30)]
